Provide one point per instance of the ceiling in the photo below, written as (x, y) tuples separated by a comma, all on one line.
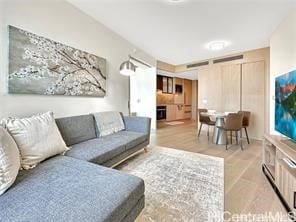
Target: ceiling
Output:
[(178, 33)]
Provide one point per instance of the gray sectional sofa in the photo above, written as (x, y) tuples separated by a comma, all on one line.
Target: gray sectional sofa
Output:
[(79, 186)]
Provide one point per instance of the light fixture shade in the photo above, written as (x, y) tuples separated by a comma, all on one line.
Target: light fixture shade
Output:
[(127, 68), (217, 45)]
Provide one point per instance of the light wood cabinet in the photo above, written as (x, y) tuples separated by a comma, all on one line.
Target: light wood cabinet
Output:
[(276, 151), (175, 112), (178, 81), (285, 179), (231, 86), (286, 182), (170, 112), (187, 92), (210, 88), (180, 112), (179, 97), (253, 89)]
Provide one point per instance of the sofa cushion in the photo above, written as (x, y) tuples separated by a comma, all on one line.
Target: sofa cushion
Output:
[(131, 139), (66, 189), (77, 129), (97, 150), (37, 138)]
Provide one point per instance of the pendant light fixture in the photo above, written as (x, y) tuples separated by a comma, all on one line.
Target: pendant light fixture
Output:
[(127, 68)]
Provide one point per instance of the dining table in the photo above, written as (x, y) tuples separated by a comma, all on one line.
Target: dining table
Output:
[(219, 122)]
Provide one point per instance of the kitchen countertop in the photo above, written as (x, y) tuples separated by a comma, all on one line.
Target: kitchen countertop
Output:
[(165, 104)]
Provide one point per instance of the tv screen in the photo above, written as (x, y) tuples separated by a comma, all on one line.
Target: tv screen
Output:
[(285, 104)]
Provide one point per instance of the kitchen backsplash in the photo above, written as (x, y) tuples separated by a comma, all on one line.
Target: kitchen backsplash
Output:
[(164, 98)]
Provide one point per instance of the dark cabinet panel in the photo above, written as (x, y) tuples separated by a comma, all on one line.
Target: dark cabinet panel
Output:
[(165, 84), (159, 82)]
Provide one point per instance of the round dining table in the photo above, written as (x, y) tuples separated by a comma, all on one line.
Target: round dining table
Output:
[(219, 121)]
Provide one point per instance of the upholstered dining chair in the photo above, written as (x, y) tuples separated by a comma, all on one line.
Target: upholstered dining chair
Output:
[(246, 122), (205, 120), (234, 122)]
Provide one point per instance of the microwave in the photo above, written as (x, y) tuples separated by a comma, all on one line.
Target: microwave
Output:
[(178, 88)]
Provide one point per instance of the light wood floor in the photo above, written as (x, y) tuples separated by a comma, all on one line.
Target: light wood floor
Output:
[(246, 187)]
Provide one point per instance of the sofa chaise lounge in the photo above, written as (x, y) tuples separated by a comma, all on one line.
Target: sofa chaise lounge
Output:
[(79, 186)]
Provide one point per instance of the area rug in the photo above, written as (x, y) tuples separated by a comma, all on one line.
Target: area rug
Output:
[(179, 185), (174, 123)]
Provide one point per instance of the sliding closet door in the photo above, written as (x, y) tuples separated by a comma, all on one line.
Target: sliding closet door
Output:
[(230, 75), (209, 90), (253, 75)]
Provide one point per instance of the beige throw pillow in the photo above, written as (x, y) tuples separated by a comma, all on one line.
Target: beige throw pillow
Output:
[(37, 137), (9, 160)]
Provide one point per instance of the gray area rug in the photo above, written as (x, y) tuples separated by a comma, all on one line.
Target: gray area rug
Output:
[(179, 185)]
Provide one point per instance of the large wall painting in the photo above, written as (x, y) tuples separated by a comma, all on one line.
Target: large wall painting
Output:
[(38, 65)]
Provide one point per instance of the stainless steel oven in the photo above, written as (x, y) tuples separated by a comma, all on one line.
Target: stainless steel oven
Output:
[(161, 112)]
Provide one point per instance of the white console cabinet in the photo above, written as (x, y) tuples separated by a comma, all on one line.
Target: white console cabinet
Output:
[(279, 165)]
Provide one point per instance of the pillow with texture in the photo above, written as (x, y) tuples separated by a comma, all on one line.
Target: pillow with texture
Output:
[(9, 160), (37, 138), (109, 122)]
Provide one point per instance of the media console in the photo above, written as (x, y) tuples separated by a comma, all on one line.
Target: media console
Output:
[(279, 165)]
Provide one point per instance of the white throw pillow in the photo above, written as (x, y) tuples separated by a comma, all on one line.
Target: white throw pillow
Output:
[(37, 137), (109, 122), (9, 160)]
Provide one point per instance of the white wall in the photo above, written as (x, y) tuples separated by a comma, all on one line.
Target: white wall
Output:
[(62, 22), (282, 56)]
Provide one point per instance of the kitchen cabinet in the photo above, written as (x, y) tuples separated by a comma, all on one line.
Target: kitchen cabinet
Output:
[(159, 83), (170, 85), (171, 112), (175, 103), (187, 92), (180, 112), (165, 84), (179, 96), (176, 112), (187, 111)]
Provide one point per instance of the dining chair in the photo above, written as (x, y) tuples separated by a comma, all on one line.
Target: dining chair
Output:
[(246, 122), (205, 120), (234, 122)]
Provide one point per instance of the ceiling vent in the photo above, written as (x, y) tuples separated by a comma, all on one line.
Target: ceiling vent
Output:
[(228, 59), (197, 64)]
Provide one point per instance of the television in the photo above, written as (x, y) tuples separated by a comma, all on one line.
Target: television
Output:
[(285, 104)]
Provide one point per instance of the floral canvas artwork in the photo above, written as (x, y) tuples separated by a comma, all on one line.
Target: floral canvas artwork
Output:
[(38, 65)]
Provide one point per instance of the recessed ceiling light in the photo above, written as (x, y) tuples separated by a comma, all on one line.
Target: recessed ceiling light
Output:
[(217, 45), (176, 2)]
